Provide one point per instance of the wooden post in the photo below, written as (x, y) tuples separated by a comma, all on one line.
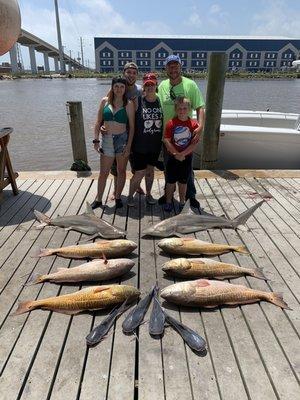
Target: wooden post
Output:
[(214, 102), (77, 130)]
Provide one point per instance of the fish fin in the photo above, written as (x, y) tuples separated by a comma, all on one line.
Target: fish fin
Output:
[(277, 299), (202, 282), (34, 279), (187, 208), (45, 253), (258, 273), (240, 249), (41, 226), (89, 209), (42, 217), (100, 289), (69, 228), (243, 217), (88, 239), (23, 307), (104, 258)]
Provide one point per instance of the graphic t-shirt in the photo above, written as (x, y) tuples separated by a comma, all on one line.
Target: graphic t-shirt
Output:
[(186, 88), (180, 132), (148, 127)]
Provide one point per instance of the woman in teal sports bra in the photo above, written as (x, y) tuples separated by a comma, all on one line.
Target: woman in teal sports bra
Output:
[(116, 113)]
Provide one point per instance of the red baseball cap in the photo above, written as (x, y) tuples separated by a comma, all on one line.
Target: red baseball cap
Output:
[(150, 78)]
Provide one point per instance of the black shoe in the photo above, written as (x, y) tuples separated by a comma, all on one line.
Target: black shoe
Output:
[(119, 203), (96, 204), (194, 202), (162, 200)]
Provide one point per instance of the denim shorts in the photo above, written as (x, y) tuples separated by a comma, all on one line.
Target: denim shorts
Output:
[(114, 144)]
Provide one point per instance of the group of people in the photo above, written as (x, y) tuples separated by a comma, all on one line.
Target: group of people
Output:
[(137, 123)]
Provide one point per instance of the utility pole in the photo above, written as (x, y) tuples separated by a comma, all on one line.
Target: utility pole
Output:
[(60, 48), (70, 53), (81, 47)]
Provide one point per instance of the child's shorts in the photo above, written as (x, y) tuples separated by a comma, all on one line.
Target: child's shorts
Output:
[(114, 144), (178, 171)]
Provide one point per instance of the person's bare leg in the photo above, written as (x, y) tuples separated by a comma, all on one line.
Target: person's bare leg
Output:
[(135, 181), (121, 177), (149, 177), (182, 192), (170, 187), (105, 165)]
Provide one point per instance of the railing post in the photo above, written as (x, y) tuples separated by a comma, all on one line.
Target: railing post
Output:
[(214, 102), (74, 109)]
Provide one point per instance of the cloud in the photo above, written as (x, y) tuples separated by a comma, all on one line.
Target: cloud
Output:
[(214, 21), (276, 18)]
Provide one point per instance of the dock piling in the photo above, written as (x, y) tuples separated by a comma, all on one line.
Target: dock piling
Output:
[(74, 110), (214, 102)]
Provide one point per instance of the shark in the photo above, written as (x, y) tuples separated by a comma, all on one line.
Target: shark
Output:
[(87, 223), (189, 222)]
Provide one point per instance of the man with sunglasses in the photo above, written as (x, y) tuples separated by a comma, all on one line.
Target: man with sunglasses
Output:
[(179, 86)]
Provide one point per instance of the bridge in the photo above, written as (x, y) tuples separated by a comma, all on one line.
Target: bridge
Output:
[(36, 44)]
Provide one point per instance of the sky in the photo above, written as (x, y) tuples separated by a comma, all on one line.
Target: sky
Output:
[(90, 18)]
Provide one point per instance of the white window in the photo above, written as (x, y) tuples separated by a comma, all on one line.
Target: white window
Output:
[(202, 62), (146, 62), (202, 55), (251, 56), (238, 55), (104, 62), (250, 63)]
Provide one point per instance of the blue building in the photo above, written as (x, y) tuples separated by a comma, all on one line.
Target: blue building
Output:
[(244, 53)]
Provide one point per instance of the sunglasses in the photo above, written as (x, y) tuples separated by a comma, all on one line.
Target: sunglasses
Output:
[(172, 94)]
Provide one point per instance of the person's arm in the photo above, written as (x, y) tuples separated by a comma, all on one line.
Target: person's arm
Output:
[(201, 119), (98, 124), (130, 109), (170, 147)]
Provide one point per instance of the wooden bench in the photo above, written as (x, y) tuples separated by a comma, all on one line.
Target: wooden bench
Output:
[(7, 175)]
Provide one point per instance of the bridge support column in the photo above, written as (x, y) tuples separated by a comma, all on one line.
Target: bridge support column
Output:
[(14, 58), (56, 67), (46, 62), (32, 59)]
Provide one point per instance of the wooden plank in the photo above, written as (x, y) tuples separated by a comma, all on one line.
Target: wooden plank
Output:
[(265, 333), (37, 322), (9, 199), (177, 380), (150, 367), (73, 358), (122, 371)]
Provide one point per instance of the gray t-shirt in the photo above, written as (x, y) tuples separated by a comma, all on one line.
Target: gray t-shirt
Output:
[(135, 92)]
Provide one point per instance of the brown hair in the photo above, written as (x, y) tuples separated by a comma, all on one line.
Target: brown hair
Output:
[(182, 100), (110, 96)]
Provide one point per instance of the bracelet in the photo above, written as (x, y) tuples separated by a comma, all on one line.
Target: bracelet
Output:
[(96, 141)]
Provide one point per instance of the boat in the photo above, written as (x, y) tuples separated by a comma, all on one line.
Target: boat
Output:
[(259, 140)]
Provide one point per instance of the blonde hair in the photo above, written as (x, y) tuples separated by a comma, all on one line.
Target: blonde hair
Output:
[(182, 100)]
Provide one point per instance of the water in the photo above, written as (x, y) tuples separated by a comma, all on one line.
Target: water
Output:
[(36, 109)]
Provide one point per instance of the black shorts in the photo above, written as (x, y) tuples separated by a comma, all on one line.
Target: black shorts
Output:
[(140, 161), (178, 171)]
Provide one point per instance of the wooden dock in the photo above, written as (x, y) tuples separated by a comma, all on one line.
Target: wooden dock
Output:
[(253, 350)]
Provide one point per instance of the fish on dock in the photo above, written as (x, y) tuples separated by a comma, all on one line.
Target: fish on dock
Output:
[(101, 330), (87, 223), (210, 294), (91, 298), (96, 270), (196, 247), (208, 268), (137, 314), (157, 317), (190, 337), (108, 248), (189, 222)]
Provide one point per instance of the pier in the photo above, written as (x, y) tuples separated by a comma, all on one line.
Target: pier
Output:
[(253, 350)]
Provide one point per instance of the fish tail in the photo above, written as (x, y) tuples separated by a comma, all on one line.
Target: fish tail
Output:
[(258, 273), (35, 278), (24, 307), (42, 217), (46, 252), (240, 249), (277, 299), (243, 217)]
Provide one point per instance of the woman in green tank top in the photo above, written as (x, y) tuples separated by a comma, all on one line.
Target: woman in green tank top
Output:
[(116, 113)]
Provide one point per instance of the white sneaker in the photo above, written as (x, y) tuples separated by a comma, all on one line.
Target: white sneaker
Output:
[(130, 201), (150, 200)]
